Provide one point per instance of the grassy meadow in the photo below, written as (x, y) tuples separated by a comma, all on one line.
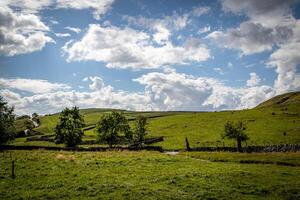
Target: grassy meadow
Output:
[(147, 175), (264, 126), (42, 174)]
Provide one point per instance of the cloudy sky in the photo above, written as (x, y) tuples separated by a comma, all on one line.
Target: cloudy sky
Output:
[(147, 55)]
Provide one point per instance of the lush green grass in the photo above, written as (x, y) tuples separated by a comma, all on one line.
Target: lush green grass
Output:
[(142, 175), (278, 158), (205, 129), (265, 126)]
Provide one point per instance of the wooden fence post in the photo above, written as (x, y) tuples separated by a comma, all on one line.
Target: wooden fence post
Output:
[(13, 169)]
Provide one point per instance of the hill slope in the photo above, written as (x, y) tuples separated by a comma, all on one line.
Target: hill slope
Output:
[(287, 99), (275, 121)]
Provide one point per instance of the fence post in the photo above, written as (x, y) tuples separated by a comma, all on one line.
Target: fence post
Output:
[(187, 144), (13, 169)]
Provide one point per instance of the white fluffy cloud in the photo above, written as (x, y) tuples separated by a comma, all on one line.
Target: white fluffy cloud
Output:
[(175, 91), (286, 60), (52, 97), (27, 6), (99, 7), (128, 48), (270, 13), (251, 37), (270, 25), (254, 80), (21, 33), (163, 27), (35, 86), (163, 91)]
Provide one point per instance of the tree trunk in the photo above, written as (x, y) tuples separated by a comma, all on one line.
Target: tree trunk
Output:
[(239, 144)]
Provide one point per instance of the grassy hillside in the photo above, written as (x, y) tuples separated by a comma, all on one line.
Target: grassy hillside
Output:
[(266, 124), (287, 99), (147, 175)]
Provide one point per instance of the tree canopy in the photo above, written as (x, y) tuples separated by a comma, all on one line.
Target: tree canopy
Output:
[(140, 130), (69, 128), (235, 131), (7, 118), (113, 128)]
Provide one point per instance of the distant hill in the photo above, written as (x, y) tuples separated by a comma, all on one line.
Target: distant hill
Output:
[(287, 99)]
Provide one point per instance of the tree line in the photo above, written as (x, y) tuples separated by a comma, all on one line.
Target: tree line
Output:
[(112, 129)]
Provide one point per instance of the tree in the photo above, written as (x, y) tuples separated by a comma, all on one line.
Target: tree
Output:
[(7, 119), (69, 128), (112, 128), (140, 130), (235, 131)]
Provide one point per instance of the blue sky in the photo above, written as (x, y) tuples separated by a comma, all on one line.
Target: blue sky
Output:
[(142, 55)]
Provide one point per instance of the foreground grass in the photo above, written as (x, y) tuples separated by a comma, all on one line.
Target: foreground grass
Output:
[(145, 175)]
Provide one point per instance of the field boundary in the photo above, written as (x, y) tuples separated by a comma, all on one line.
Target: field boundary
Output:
[(250, 149), (116, 148)]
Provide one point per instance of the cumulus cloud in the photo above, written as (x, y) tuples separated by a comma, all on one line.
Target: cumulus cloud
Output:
[(21, 33), (27, 6), (286, 61), (52, 97), (270, 26), (254, 80), (167, 90), (251, 37), (161, 28), (99, 7), (268, 12), (35, 86), (177, 91), (129, 48)]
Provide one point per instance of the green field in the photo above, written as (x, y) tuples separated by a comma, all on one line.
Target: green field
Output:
[(147, 175), (42, 174), (266, 125)]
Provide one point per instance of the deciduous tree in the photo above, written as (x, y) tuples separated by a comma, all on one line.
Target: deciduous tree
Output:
[(69, 128), (140, 130), (112, 128), (235, 131), (7, 118)]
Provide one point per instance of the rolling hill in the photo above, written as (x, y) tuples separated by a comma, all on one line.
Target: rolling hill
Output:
[(275, 121), (287, 99)]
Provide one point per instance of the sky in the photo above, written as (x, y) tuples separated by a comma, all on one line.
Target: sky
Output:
[(186, 55)]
